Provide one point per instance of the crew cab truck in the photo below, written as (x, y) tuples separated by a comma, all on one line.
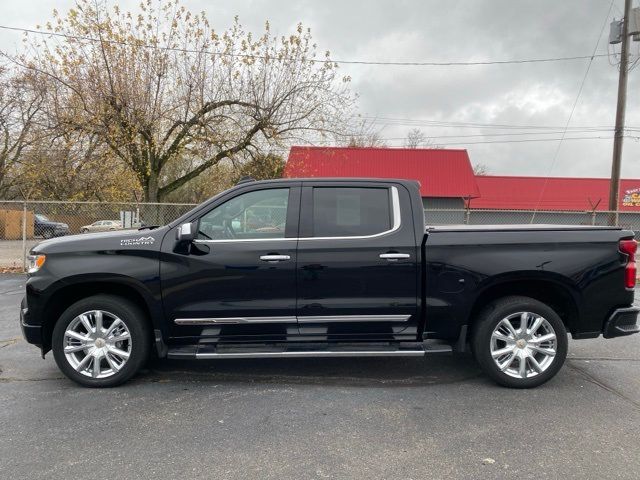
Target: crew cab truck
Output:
[(326, 268)]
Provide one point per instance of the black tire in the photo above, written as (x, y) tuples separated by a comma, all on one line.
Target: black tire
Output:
[(134, 319), (84, 230), (489, 319), (47, 233)]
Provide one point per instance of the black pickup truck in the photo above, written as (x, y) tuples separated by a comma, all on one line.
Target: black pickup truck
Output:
[(326, 268)]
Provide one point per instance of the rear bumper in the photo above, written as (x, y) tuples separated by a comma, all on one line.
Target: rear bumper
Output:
[(623, 321), (31, 333)]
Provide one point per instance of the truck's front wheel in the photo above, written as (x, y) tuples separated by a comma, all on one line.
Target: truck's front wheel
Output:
[(101, 341), (519, 342)]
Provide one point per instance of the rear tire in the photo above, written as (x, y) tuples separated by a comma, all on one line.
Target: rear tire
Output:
[(47, 233), (515, 357), (101, 341)]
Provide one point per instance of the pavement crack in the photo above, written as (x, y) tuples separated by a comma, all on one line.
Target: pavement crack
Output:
[(591, 379), (604, 359), (17, 379), (9, 341)]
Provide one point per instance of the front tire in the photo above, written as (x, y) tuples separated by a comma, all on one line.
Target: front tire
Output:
[(101, 341), (47, 233), (519, 342)]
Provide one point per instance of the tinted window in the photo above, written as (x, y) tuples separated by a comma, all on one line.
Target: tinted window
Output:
[(348, 212), (258, 214)]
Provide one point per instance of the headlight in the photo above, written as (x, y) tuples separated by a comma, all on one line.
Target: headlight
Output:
[(34, 262)]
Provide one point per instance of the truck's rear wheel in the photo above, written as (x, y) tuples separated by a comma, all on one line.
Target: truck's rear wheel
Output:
[(101, 341), (519, 342)]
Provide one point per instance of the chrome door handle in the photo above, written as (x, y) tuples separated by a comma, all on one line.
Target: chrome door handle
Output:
[(275, 258), (392, 257)]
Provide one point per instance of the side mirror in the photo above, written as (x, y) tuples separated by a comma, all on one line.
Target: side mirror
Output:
[(187, 232)]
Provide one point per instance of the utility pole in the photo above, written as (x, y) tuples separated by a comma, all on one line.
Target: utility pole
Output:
[(614, 188)]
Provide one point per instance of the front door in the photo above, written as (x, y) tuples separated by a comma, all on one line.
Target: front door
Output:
[(357, 264), (237, 279)]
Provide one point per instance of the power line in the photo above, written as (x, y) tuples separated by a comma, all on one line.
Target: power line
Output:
[(573, 109), (525, 140), (343, 62), (284, 150), (551, 132), (444, 123)]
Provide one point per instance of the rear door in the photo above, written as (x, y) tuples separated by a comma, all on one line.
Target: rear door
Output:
[(357, 275)]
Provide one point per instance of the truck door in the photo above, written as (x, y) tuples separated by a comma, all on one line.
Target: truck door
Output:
[(237, 278), (357, 265)]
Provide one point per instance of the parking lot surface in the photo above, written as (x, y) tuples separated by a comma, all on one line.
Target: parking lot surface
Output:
[(437, 417)]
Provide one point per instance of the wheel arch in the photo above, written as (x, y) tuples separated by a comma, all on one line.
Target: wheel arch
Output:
[(555, 293), (70, 293)]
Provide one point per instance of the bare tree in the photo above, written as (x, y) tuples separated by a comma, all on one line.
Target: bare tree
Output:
[(415, 138), (480, 169), (160, 86), (69, 165), (20, 103), (363, 134)]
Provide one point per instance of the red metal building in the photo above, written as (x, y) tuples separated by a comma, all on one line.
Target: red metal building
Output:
[(447, 180), (446, 177)]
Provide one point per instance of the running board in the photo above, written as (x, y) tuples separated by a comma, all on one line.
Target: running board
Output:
[(204, 351)]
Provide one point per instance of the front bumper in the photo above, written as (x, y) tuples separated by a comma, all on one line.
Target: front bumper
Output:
[(31, 333), (623, 321)]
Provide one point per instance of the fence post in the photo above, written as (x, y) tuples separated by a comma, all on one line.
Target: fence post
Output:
[(593, 217), (24, 235), (467, 216)]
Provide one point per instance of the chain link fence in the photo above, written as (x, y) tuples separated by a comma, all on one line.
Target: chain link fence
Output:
[(23, 224)]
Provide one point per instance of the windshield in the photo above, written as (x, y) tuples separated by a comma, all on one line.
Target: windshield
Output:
[(42, 218)]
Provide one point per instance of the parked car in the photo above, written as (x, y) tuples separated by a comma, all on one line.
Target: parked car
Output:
[(352, 272), (46, 228), (102, 226)]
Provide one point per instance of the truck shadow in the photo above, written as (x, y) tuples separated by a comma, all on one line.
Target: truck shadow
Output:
[(368, 372)]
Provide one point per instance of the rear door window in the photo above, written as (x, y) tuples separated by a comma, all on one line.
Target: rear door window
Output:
[(351, 211)]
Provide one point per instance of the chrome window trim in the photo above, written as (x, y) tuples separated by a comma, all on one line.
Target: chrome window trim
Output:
[(397, 223), (290, 319), (204, 240)]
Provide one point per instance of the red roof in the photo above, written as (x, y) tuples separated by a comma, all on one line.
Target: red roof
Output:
[(441, 173), (553, 193)]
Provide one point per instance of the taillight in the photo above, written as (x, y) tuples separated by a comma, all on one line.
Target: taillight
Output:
[(629, 247)]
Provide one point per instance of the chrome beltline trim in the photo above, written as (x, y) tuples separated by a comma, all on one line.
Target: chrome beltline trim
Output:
[(302, 319)]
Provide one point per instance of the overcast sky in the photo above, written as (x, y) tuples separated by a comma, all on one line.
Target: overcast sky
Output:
[(539, 94)]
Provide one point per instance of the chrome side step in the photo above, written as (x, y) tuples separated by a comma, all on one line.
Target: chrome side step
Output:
[(312, 353), (208, 351)]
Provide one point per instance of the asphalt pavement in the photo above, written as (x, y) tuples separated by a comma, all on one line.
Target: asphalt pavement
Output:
[(413, 418)]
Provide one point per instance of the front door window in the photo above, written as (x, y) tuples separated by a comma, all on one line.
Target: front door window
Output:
[(260, 214)]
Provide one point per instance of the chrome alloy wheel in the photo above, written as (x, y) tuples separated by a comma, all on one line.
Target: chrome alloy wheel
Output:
[(526, 349), (97, 344)]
